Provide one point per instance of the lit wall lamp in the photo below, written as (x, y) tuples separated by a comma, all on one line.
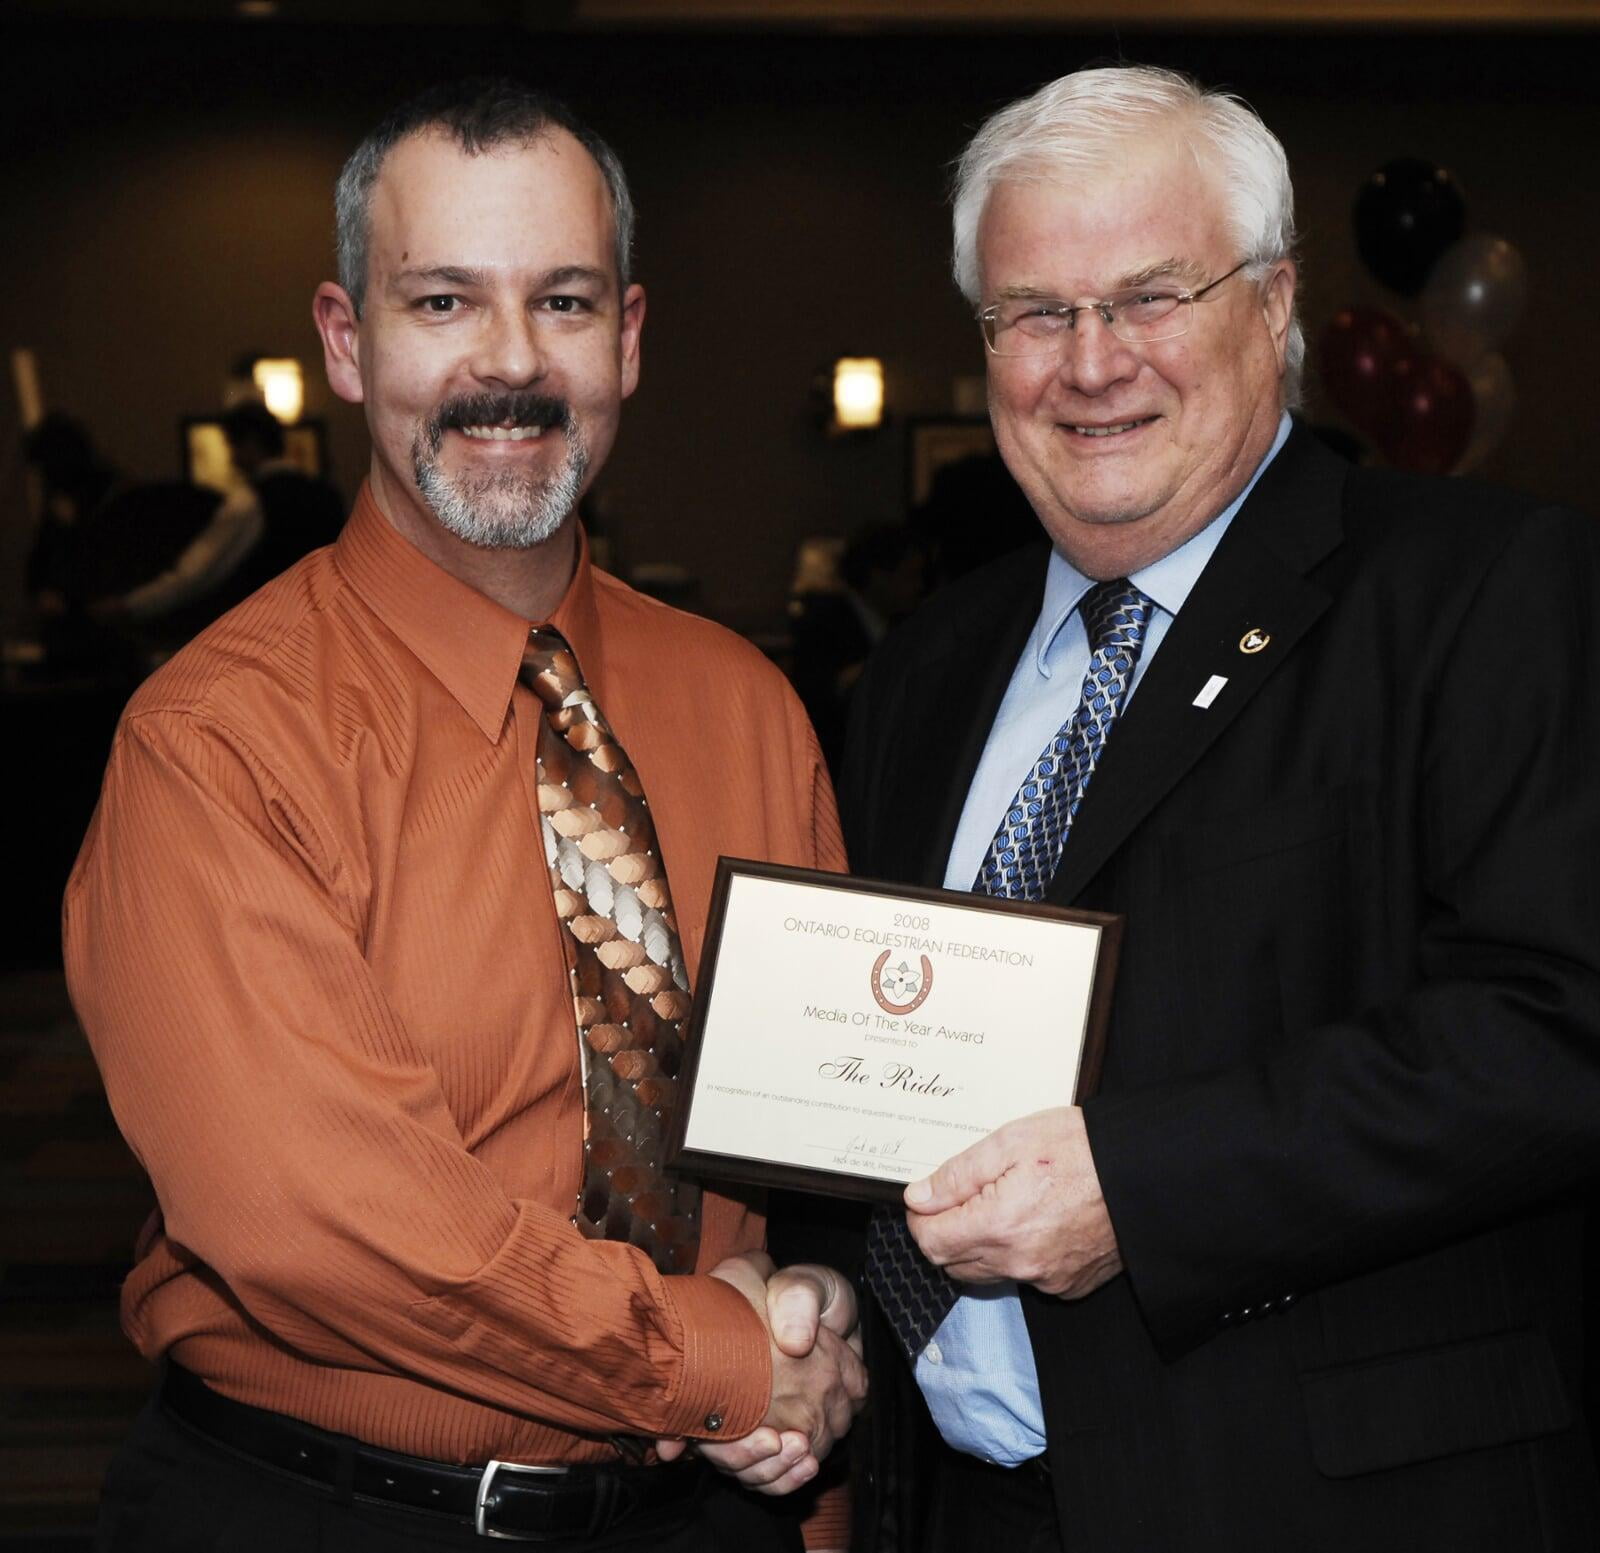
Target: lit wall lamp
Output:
[(857, 393), (282, 386)]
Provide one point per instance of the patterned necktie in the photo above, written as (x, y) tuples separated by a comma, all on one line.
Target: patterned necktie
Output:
[(630, 991), (1019, 865)]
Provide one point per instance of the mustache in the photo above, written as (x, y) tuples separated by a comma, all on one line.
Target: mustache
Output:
[(545, 411)]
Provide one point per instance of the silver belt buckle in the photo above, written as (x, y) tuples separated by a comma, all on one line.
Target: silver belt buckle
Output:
[(480, 1517)]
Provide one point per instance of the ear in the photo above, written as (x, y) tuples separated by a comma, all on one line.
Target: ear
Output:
[(632, 328), (340, 327), (1277, 306)]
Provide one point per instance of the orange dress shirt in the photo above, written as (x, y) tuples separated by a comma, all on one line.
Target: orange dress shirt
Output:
[(312, 941)]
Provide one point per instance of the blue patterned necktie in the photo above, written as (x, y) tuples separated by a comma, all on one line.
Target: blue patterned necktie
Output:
[(1019, 865)]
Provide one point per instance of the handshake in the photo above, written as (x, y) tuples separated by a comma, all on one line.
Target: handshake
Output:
[(818, 1380)]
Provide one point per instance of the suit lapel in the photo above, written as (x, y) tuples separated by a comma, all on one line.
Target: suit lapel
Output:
[(1246, 614)]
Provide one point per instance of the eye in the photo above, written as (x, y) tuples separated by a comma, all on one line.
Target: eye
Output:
[(439, 306), (1148, 306), (568, 305), (1044, 317)]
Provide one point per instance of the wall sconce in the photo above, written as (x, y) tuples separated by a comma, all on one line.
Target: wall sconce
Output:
[(282, 386), (857, 393)]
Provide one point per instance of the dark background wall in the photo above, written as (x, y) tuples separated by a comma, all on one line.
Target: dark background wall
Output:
[(168, 207)]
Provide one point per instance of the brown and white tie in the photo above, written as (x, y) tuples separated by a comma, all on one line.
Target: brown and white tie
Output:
[(630, 991)]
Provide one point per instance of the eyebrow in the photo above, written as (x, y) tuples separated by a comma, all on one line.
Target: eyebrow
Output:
[(468, 276), (1163, 269), (569, 274), (444, 274)]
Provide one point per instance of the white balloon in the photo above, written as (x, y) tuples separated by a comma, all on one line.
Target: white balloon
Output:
[(1474, 297)]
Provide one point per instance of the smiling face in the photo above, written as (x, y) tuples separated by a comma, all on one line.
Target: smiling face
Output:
[(1125, 451), (494, 348)]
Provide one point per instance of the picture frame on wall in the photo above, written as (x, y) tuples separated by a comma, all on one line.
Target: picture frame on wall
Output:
[(933, 442), (203, 450)]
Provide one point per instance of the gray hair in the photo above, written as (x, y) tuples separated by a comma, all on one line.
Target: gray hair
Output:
[(479, 115), (1081, 122)]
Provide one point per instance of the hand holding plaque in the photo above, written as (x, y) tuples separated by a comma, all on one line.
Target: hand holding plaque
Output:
[(850, 1036), (1023, 1204)]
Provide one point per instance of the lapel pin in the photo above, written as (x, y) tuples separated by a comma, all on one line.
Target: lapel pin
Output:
[(1209, 691), (1254, 640)]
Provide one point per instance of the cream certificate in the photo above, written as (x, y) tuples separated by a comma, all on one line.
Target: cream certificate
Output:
[(849, 1036)]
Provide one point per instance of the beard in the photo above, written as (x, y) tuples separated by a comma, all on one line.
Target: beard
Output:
[(504, 509)]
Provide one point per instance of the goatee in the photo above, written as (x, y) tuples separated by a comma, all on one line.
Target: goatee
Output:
[(505, 509)]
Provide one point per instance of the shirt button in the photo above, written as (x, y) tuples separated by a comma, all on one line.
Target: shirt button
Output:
[(713, 1422), (934, 1356)]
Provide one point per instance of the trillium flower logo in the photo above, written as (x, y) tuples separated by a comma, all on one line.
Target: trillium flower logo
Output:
[(902, 987)]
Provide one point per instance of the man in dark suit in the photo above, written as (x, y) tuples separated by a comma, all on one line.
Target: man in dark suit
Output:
[(1304, 1273)]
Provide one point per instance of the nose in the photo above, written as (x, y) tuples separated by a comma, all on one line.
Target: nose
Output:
[(509, 351), (1095, 359)]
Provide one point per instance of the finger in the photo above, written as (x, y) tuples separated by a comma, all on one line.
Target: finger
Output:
[(960, 1177), (841, 1414), (770, 1469), (823, 1435), (764, 1444), (797, 1476), (757, 1262), (976, 1271), (670, 1450), (857, 1385), (853, 1373), (951, 1236)]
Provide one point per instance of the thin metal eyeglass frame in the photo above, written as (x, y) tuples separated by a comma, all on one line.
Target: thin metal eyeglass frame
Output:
[(1185, 311)]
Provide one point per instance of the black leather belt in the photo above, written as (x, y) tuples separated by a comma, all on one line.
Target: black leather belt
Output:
[(500, 1499)]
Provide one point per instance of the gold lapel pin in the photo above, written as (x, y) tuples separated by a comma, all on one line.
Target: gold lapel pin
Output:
[(1254, 640)]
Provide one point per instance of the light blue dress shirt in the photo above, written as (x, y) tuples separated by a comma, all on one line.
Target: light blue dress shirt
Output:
[(978, 1373)]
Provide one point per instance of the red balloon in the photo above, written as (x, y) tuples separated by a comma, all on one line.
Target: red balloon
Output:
[(1429, 420), (1357, 353)]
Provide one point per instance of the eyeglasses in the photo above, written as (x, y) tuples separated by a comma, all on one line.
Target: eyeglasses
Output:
[(1036, 326)]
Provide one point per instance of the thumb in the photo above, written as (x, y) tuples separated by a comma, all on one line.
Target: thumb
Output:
[(960, 1177), (836, 1296), (797, 1298)]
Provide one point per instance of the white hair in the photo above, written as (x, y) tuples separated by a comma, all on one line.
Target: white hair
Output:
[(1083, 122)]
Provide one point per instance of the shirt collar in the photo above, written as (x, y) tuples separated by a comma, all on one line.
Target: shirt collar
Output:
[(1167, 581), (470, 644)]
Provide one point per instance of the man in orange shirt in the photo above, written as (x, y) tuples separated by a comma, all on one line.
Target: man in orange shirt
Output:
[(333, 935)]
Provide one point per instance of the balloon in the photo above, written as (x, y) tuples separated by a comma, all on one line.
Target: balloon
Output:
[(1406, 215), (1494, 398), (1429, 418), (1356, 353), (1474, 297)]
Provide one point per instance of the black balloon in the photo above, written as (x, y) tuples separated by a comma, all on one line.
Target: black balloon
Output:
[(1406, 215)]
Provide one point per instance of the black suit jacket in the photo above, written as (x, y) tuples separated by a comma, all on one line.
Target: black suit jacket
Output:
[(1352, 1083)]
